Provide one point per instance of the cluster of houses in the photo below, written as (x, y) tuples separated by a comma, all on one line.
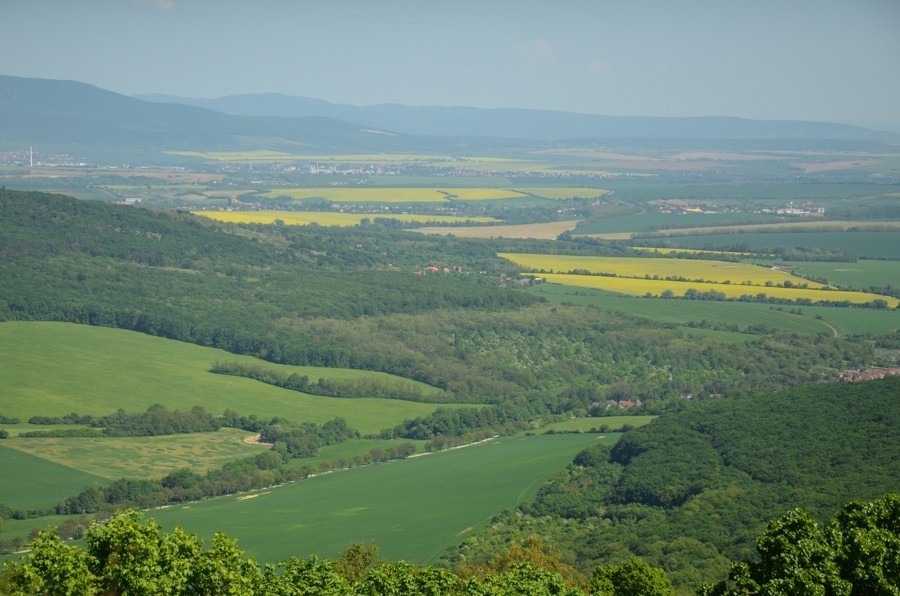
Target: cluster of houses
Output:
[(854, 376), (611, 403)]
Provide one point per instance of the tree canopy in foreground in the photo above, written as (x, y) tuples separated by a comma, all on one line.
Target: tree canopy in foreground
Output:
[(856, 553)]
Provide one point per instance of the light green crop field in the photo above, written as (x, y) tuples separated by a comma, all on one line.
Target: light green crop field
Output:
[(589, 423), (846, 321), (53, 369), (330, 218), (34, 482), (414, 509), (137, 457), (659, 267)]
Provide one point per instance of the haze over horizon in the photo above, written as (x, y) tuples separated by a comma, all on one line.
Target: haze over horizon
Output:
[(827, 60)]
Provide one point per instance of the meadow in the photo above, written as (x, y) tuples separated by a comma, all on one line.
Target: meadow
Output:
[(414, 509), (53, 369), (659, 267), (643, 287), (330, 218)]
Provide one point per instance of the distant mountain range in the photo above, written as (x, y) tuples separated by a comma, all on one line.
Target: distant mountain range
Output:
[(520, 123), (75, 117)]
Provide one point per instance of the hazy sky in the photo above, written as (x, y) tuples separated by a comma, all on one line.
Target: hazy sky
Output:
[(836, 60)]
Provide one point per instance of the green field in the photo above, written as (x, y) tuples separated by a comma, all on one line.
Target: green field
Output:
[(56, 368), (873, 245), (647, 222), (414, 509), (348, 449), (859, 275), (590, 423), (846, 321), (32, 482)]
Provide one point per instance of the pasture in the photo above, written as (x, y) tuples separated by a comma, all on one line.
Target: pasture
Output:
[(53, 369), (846, 321), (659, 267), (330, 218), (642, 287), (539, 231), (414, 509)]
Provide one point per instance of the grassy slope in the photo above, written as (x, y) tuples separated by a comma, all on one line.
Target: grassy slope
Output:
[(414, 509), (57, 368)]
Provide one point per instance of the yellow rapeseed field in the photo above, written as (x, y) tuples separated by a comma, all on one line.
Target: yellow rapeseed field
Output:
[(641, 287), (326, 218), (689, 269)]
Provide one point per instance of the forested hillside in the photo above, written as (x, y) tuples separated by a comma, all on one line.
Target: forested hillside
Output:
[(692, 490), (332, 297)]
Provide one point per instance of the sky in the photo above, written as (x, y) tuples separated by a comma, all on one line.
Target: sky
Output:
[(827, 60)]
